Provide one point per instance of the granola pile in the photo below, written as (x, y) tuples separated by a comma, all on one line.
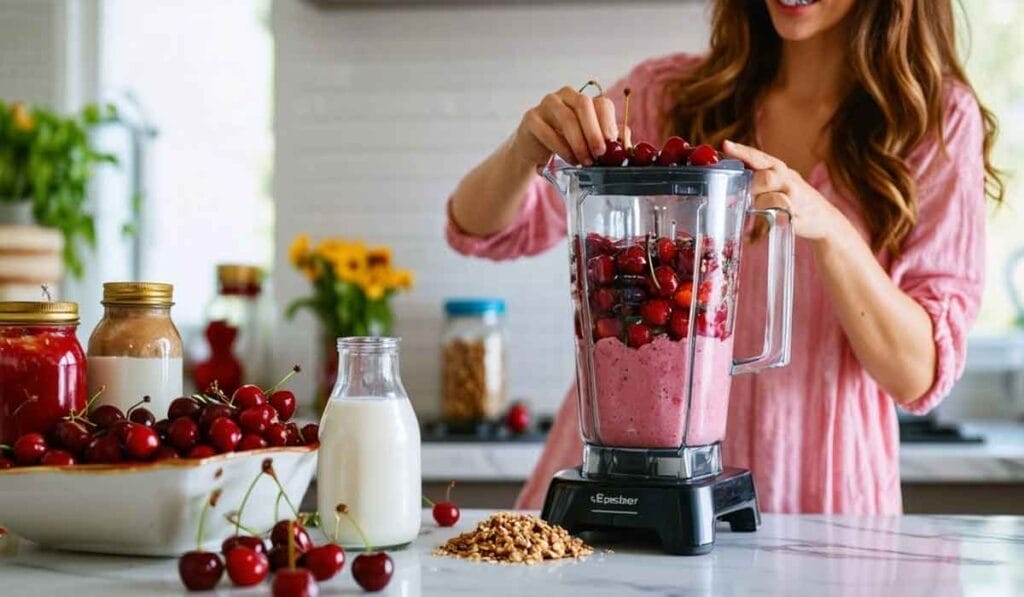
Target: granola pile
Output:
[(506, 537)]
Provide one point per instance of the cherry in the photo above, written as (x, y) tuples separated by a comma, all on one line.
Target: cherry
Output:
[(324, 561), (201, 570), (212, 412), (247, 541), (247, 396), (656, 312), (161, 427), (284, 403), (105, 449), (644, 154), (638, 334), (276, 435), (166, 453), (601, 269), (373, 570), (703, 155), (603, 299), (278, 557), (684, 295), (120, 429), (201, 451), (224, 434), (599, 245), (445, 513), (184, 407), (183, 433), (256, 419), (141, 442), (632, 260), (293, 433), (105, 416), (246, 567), (673, 152), (679, 324), (665, 281), (29, 449), (142, 416), (666, 250), (294, 582), (279, 535), (311, 434), (608, 327), (518, 418), (57, 458), (251, 441), (615, 154), (72, 435)]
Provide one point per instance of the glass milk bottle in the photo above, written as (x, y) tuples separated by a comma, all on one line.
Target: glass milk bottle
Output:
[(370, 448)]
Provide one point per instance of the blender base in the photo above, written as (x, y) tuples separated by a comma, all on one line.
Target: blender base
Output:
[(681, 513)]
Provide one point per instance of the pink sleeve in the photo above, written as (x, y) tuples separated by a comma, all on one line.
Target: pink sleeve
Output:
[(943, 262), (539, 226)]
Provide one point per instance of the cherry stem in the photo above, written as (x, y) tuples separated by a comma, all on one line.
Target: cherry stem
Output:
[(291, 544), (46, 292), (650, 260), (429, 501), (233, 518), (145, 400), (289, 375), (277, 506), (211, 502), (241, 507), (337, 525), (88, 404), (287, 499), (448, 493), (593, 83), (627, 92), (343, 509)]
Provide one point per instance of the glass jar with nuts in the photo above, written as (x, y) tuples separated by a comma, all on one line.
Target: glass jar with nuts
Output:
[(473, 380)]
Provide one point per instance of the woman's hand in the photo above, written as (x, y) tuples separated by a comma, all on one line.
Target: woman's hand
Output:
[(776, 185), (568, 123)]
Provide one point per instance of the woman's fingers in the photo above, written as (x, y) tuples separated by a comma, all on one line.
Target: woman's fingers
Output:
[(755, 158), (562, 118), (606, 116), (767, 181), (586, 114), (772, 199), (548, 136)]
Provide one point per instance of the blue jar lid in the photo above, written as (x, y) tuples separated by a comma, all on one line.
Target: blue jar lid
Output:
[(474, 306)]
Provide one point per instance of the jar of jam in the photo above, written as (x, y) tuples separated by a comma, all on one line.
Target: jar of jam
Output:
[(42, 367), (135, 350)]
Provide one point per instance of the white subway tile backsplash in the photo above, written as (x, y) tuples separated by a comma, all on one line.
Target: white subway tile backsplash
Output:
[(380, 111)]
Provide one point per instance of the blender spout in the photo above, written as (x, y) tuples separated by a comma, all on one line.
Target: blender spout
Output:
[(555, 172)]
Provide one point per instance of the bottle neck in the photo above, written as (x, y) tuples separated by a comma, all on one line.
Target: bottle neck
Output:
[(368, 367)]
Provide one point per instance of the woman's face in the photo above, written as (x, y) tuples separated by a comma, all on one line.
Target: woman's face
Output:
[(797, 20)]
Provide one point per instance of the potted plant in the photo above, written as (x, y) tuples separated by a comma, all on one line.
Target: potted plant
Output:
[(46, 163), (352, 288)]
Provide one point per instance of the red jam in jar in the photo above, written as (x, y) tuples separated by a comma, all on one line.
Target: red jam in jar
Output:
[(42, 367)]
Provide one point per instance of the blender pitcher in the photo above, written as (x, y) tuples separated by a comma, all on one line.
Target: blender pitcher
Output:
[(654, 260)]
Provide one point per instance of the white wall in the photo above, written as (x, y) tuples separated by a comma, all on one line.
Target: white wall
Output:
[(30, 60), (379, 112)]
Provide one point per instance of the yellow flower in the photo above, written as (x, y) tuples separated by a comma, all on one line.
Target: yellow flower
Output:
[(374, 291), (22, 118), (400, 278), (299, 251), (379, 257)]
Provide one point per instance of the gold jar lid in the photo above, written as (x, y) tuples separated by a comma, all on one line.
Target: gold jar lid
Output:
[(38, 312), (234, 274), (150, 294)]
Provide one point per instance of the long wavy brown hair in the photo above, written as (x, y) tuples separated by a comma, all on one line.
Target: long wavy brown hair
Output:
[(902, 52)]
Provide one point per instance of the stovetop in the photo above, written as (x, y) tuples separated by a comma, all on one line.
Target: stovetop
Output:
[(929, 431), (436, 430)]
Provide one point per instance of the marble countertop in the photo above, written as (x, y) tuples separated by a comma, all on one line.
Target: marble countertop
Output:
[(999, 459), (789, 555)]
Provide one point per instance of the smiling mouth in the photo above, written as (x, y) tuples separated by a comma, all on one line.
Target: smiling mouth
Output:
[(797, 2)]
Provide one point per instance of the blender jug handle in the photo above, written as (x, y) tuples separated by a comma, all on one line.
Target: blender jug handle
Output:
[(779, 307)]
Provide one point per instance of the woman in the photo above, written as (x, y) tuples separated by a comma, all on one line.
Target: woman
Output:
[(856, 116)]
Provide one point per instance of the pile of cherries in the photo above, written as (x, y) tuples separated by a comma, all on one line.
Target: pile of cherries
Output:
[(640, 289), (675, 152), (196, 426), (297, 564)]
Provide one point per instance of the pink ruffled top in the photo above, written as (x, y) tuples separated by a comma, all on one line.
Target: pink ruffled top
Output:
[(819, 435)]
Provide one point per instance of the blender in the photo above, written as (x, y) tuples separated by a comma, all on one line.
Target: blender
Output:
[(654, 261)]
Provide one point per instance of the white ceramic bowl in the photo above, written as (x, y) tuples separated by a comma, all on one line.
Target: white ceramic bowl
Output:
[(148, 509)]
